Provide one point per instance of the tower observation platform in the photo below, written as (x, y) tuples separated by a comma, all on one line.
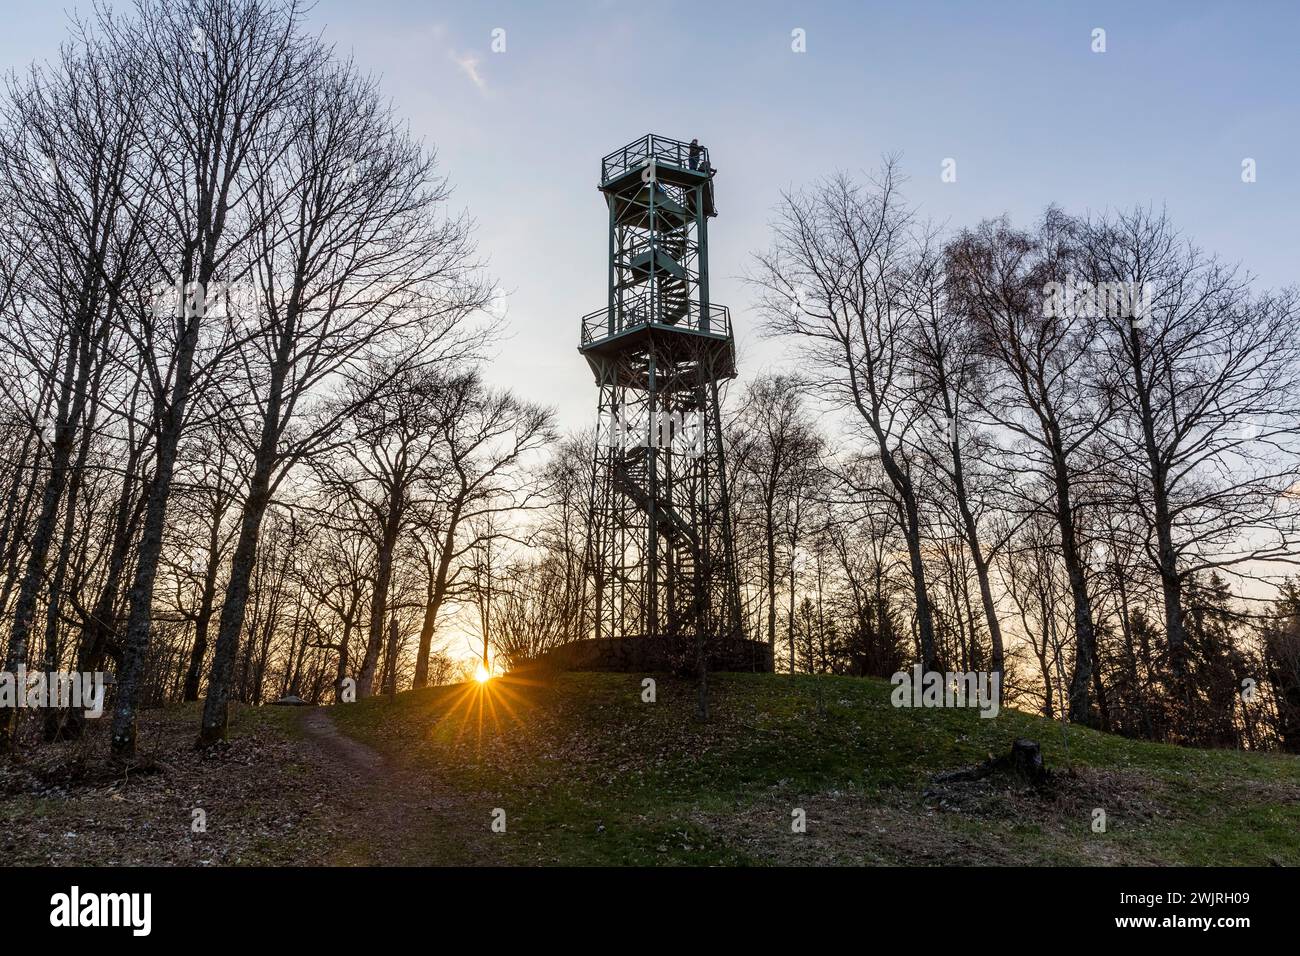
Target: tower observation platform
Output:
[(661, 552)]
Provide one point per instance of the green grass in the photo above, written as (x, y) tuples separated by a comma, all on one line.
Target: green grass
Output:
[(590, 774)]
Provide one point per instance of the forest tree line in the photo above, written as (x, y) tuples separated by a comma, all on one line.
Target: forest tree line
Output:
[(247, 442), (1067, 453), (977, 466)]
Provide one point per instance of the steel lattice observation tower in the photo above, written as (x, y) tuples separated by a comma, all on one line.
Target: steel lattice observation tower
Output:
[(661, 551)]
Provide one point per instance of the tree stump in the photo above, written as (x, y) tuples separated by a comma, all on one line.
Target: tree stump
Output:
[(1027, 762), (1024, 762)]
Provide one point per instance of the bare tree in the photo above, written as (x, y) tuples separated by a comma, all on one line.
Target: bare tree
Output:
[(484, 438), (833, 281), (376, 475), (1207, 381), (214, 499), (1041, 398), (67, 156), (775, 446), (948, 373), (354, 265), (219, 78)]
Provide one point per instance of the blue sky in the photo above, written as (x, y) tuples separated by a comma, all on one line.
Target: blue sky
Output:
[(1011, 91)]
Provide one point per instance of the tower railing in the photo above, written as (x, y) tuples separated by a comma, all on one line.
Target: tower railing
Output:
[(661, 149), (596, 325)]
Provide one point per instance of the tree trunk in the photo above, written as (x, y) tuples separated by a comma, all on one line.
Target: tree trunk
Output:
[(770, 533), (231, 623), (345, 643), (1085, 636), (379, 599), (70, 404), (194, 673), (981, 566), (912, 532), (53, 649), (93, 646), (140, 615), (216, 705), (390, 659), (17, 508), (438, 595), (790, 622)]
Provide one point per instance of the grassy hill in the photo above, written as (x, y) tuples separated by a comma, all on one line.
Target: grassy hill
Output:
[(588, 773)]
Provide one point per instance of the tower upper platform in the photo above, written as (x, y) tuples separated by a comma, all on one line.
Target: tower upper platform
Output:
[(672, 160), (659, 196)]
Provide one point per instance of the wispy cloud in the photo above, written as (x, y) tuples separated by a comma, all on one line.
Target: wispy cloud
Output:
[(468, 64)]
